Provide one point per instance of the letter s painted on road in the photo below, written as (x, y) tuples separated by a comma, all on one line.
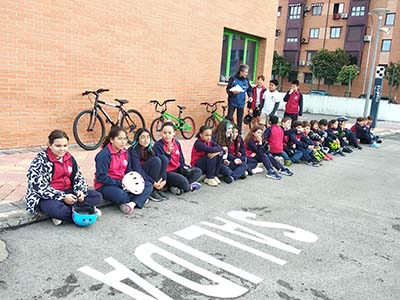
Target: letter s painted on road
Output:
[(292, 232)]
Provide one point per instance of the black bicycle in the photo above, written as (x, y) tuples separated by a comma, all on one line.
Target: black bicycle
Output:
[(89, 127)]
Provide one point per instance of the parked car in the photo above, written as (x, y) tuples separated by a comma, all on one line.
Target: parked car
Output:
[(319, 92)]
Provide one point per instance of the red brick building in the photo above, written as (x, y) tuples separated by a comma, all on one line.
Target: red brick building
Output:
[(52, 51)]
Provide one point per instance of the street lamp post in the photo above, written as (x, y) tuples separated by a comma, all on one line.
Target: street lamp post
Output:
[(369, 51), (380, 12)]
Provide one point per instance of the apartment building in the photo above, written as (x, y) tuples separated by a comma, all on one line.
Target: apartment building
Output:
[(304, 27)]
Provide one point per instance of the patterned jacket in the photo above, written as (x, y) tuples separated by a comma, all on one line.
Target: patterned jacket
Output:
[(39, 177)]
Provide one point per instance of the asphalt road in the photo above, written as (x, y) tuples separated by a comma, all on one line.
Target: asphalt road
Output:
[(345, 244)]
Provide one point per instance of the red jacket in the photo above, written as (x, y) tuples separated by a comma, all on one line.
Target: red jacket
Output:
[(110, 166), (275, 140), (294, 103), (175, 156), (61, 179), (253, 103)]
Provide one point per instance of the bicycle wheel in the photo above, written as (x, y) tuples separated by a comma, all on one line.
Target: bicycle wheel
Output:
[(210, 122), (188, 128), (155, 128), (132, 121), (88, 132)]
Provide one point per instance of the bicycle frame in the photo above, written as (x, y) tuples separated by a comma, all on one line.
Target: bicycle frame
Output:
[(218, 117), (180, 125)]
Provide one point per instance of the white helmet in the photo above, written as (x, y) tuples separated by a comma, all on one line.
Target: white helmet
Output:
[(133, 182)]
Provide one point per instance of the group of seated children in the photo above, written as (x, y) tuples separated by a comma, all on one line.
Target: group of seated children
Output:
[(55, 182), (362, 129)]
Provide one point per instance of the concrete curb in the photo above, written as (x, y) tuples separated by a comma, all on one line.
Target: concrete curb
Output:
[(14, 214)]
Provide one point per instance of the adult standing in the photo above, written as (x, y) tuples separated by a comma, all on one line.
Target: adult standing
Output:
[(237, 98), (294, 102)]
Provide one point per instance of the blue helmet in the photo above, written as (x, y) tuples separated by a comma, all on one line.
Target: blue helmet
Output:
[(84, 214)]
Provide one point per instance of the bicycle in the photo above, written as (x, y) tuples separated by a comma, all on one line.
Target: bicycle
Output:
[(89, 127), (214, 118), (185, 125)]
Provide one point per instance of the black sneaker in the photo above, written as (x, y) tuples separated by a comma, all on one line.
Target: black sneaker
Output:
[(341, 153), (175, 190), (359, 147), (155, 196), (229, 179), (163, 195), (347, 150)]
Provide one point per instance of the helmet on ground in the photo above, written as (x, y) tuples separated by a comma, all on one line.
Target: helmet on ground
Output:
[(84, 214), (133, 182), (247, 119)]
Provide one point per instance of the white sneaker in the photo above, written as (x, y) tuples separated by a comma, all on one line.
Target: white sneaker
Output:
[(57, 221), (260, 165), (98, 212), (257, 170), (280, 160), (211, 182), (217, 180), (127, 208)]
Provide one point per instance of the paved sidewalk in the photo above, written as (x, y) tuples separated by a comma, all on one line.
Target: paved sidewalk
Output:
[(14, 165)]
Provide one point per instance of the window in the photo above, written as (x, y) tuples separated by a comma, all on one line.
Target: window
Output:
[(295, 11), (386, 45), (314, 33), (238, 48), (292, 35), (390, 19), (309, 56), (358, 11), (338, 8), (277, 33), (308, 78), (335, 32), (279, 11), (316, 9)]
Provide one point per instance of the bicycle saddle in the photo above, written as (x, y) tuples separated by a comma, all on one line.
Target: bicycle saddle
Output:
[(121, 101), (181, 107)]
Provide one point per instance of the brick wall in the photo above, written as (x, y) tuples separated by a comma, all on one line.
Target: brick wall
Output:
[(51, 51)]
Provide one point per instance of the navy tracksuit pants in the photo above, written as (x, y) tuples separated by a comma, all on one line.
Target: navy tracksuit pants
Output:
[(180, 181), (62, 211)]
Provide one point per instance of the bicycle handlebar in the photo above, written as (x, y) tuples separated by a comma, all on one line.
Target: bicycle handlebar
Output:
[(164, 104), (211, 105), (99, 91)]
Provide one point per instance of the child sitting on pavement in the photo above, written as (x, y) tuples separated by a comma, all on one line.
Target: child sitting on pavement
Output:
[(232, 166), (346, 133), (112, 163), (256, 149), (275, 135), (330, 140), (181, 178), (333, 132), (153, 167), (55, 182), (237, 150), (302, 143), (363, 133), (317, 151), (207, 155), (291, 151)]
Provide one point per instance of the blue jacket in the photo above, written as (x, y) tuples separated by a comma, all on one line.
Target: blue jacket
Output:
[(239, 100)]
